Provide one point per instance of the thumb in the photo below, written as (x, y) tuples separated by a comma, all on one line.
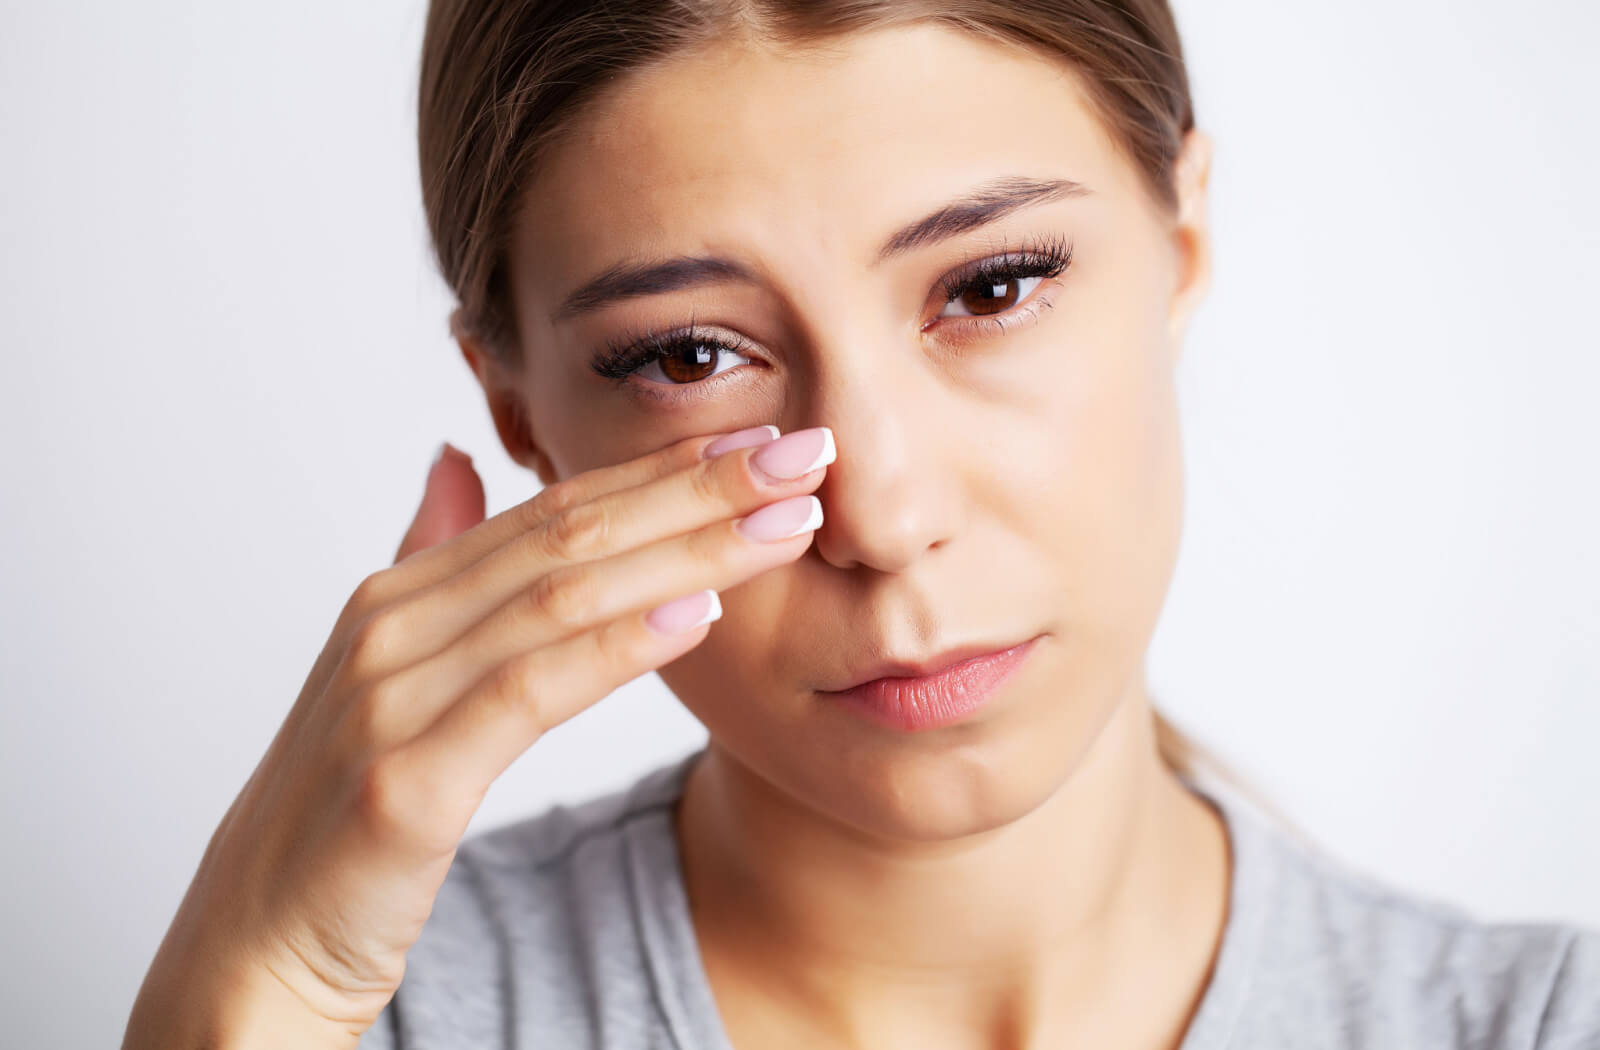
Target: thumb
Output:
[(452, 502)]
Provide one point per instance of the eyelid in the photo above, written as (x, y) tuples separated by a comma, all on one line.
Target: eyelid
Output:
[(961, 330), (1053, 251), (1048, 258), (732, 350), (1032, 293)]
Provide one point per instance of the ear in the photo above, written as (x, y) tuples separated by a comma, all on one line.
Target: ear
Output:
[(1191, 232), (504, 396)]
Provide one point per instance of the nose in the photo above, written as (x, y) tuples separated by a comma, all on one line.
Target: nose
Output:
[(893, 492)]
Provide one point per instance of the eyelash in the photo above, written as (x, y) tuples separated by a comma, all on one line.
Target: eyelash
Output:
[(623, 356)]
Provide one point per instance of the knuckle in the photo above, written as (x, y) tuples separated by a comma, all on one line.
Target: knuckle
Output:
[(400, 799), (717, 546), (553, 500), (579, 532), (513, 693), (371, 593), (708, 484), (384, 794), (372, 643), (564, 597), (617, 649)]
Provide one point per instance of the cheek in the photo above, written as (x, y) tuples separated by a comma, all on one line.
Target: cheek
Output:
[(1110, 505), (598, 425), (754, 647), (1070, 454), (587, 431)]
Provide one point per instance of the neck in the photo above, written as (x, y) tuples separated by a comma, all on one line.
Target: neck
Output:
[(1114, 886)]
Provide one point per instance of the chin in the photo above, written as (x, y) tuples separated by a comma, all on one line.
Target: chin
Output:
[(946, 786)]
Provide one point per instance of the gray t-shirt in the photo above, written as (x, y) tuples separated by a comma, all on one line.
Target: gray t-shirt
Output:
[(571, 929)]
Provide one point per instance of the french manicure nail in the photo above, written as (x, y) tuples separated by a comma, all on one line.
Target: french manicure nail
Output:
[(783, 519), (797, 454), (685, 614), (740, 439)]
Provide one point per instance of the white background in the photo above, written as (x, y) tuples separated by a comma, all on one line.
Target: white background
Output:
[(226, 366)]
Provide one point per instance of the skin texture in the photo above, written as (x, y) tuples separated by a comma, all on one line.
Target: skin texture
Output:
[(1032, 876)]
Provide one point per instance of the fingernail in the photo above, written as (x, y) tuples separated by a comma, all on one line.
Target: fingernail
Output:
[(796, 454), (740, 439), (685, 614), (783, 519)]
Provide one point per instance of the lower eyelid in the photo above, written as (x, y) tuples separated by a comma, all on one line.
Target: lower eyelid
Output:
[(746, 359), (670, 393), (1026, 313)]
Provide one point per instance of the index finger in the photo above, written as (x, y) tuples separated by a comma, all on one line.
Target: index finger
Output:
[(430, 565)]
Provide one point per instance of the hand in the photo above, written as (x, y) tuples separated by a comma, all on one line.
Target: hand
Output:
[(438, 673)]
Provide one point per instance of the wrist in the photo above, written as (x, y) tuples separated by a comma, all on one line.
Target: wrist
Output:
[(230, 1007), (256, 1011)]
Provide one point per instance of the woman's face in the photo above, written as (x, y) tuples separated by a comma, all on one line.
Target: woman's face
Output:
[(1008, 459)]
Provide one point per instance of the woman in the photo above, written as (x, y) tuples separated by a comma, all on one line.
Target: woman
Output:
[(722, 267)]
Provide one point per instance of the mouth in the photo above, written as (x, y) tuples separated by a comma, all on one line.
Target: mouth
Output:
[(958, 684)]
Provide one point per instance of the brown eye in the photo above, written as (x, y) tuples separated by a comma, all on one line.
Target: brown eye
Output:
[(685, 360), (987, 296), (995, 286), (690, 363)]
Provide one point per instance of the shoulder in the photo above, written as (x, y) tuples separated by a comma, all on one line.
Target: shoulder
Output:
[(1368, 963)]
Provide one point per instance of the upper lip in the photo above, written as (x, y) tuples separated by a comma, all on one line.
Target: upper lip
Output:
[(919, 668)]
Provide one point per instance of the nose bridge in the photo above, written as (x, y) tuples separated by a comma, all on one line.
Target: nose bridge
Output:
[(891, 493)]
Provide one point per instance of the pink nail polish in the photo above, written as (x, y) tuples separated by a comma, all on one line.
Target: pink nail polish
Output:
[(740, 439), (796, 454), (685, 614), (783, 519)]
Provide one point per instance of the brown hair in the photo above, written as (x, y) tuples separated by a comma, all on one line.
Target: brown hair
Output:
[(501, 80)]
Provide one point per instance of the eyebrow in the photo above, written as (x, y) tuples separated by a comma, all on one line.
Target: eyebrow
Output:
[(985, 204)]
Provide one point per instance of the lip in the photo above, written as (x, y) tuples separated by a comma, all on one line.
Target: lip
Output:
[(915, 702)]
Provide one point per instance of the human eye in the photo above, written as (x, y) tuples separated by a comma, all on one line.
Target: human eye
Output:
[(664, 360), (987, 292)]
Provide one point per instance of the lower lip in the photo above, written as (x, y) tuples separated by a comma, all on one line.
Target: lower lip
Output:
[(935, 700)]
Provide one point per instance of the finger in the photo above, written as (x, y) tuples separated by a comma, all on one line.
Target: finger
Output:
[(475, 739), (447, 558), (452, 502), (605, 527), (580, 598)]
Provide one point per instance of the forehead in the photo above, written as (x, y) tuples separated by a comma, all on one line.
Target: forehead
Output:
[(753, 149)]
